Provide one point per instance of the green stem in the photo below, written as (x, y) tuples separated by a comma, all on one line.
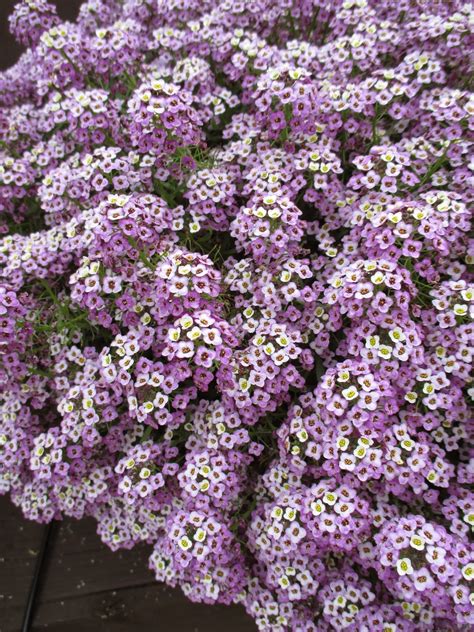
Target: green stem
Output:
[(436, 166)]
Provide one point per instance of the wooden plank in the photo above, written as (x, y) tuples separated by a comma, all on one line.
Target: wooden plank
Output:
[(151, 607), (19, 546), (88, 588), (80, 564)]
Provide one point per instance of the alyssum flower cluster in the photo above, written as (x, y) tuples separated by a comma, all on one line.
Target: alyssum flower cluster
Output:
[(236, 303)]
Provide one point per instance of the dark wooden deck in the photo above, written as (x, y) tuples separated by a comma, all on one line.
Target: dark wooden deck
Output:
[(87, 588)]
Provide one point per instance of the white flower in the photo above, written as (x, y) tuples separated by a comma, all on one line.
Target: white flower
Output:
[(411, 397), (282, 340), (269, 348), (397, 335), (302, 435), (468, 571), (277, 512), (384, 351), (185, 543), (317, 507), (148, 407), (372, 342), (343, 376), (330, 498), (244, 384), (194, 333), (417, 542), (274, 213), (284, 581), (459, 309), (408, 444), (350, 393), (186, 322), (360, 451), (174, 334), (200, 535), (342, 443), (404, 566)]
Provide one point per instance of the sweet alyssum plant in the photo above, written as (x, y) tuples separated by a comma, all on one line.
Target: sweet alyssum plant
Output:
[(235, 299)]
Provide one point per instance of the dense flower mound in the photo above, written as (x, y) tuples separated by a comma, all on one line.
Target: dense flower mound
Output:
[(235, 298)]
